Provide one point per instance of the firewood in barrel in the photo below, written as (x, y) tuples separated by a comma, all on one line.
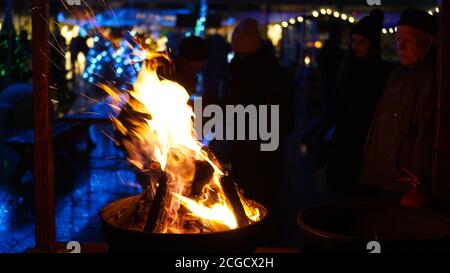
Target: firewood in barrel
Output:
[(203, 174), (125, 211), (200, 179), (152, 172), (157, 212), (141, 210), (231, 192)]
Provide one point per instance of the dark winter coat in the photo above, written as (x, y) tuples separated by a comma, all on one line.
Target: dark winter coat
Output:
[(361, 83), (329, 61), (401, 134), (258, 79)]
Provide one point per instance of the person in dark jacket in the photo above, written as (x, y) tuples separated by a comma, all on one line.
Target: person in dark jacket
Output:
[(361, 81), (401, 134), (329, 60), (258, 79), (188, 63)]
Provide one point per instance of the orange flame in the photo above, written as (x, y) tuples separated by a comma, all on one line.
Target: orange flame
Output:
[(168, 137)]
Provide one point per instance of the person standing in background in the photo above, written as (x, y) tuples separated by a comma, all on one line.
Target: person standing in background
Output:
[(342, 130), (402, 131), (258, 79)]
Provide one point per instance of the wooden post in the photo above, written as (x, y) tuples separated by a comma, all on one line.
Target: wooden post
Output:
[(442, 144), (9, 23), (43, 147)]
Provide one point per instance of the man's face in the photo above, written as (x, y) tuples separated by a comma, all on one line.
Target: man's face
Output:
[(412, 45), (360, 45)]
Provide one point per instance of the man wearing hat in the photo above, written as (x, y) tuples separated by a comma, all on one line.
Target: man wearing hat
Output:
[(401, 134)]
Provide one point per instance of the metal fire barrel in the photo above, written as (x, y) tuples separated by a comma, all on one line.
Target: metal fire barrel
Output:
[(119, 239), (350, 227)]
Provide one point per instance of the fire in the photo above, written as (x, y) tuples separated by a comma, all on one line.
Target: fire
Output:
[(167, 137), (217, 212)]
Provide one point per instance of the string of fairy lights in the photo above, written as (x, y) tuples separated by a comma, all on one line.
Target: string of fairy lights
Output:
[(102, 55), (338, 15), (393, 30), (316, 13)]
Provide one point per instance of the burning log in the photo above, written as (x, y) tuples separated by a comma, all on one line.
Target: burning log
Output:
[(203, 175), (157, 212), (185, 193), (204, 172), (141, 210), (231, 192)]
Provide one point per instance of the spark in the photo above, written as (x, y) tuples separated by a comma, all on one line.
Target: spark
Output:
[(90, 22), (120, 177), (90, 113), (57, 49), (86, 96), (108, 136), (53, 34), (49, 60)]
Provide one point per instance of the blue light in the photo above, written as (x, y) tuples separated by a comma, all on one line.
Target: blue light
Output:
[(119, 70), (98, 67), (91, 79), (96, 39), (230, 57), (200, 25), (85, 75), (4, 217), (99, 57), (94, 60), (118, 60), (104, 53), (60, 16), (120, 51), (83, 32)]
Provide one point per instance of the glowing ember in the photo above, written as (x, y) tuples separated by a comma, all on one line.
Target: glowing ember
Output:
[(164, 136), (215, 213)]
